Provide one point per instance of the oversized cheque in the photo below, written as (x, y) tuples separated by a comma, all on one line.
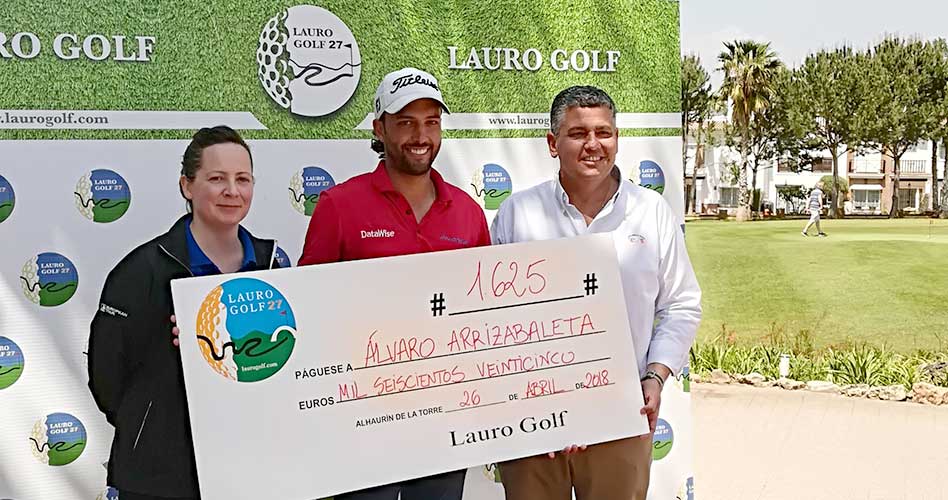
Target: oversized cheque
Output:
[(313, 381)]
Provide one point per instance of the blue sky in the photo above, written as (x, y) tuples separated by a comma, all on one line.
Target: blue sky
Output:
[(796, 28)]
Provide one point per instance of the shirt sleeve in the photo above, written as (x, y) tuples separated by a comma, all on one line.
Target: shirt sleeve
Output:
[(323, 241), (678, 305), (111, 340), (498, 228)]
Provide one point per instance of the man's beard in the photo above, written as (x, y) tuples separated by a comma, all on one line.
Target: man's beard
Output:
[(406, 166)]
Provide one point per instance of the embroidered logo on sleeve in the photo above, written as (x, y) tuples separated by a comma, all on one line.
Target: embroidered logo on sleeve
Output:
[(103, 307)]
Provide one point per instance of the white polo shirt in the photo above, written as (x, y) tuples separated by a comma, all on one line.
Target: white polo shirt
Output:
[(661, 292)]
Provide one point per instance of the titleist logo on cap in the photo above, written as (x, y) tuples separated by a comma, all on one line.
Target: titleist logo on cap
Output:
[(404, 81)]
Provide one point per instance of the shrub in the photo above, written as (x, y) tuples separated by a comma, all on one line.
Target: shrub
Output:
[(860, 365), (843, 364)]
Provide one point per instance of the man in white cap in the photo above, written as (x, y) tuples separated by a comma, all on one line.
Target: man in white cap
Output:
[(403, 207)]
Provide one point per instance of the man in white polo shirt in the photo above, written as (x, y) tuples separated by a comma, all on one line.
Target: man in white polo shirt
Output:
[(661, 292)]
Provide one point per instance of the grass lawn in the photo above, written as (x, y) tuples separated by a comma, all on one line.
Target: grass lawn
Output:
[(876, 281)]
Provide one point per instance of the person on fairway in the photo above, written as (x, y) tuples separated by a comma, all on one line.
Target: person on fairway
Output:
[(815, 205)]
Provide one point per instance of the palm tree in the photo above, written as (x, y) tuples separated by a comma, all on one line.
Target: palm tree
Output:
[(750, 69), (695, 106)]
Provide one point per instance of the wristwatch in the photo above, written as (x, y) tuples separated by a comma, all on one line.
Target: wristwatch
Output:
[(654, 375)]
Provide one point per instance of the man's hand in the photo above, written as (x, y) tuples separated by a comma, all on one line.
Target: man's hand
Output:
[(174, 331), (652, 392), (568, 450)]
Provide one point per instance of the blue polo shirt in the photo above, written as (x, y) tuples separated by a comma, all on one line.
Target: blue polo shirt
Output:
[(201, 265)]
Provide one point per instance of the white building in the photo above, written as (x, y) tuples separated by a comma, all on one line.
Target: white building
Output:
[(870, 176)]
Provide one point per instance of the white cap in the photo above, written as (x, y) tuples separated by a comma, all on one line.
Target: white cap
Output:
[(402, 87)]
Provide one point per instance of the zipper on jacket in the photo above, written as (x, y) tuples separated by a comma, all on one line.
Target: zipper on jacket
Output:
[(142, 427), (169, 254)]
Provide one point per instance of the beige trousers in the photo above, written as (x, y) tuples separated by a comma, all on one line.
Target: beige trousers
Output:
[(617, 470)]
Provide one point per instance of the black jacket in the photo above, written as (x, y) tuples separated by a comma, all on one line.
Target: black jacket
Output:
[(135, 371)]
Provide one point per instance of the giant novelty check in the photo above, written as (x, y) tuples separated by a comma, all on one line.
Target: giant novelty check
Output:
[(313, 381)]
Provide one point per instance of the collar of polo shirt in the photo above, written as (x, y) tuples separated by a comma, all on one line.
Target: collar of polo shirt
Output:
[(383, 183), (563, 197)]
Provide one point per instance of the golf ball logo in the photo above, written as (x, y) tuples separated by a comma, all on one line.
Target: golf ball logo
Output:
[(651, 176), (246, 330), (102, 196), (308, 61), (49, 279), (662, 440), (306, 186), (11, 362), (7, 199), (491, 185), (58, 439)]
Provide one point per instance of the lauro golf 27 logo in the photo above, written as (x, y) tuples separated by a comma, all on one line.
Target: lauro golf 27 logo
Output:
[(687, 490), (109, 493), (492, 473), (308, 61), (662, 440), (651, 176), (58, 439), (49, 279), (11, 362), (102, 196), (246, 330), (491, 185), (684, 379), (283, 260), (306, 186), (7, 199)]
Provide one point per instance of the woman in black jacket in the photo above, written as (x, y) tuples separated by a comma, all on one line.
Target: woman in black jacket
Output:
[(134, 371)]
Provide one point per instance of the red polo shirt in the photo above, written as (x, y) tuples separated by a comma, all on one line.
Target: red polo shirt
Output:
[(365, 217)]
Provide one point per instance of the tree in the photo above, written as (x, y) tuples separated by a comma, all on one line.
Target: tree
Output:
[(772, 129), (934, 175), (938, 97), (898, 112), (944, 197), (793, 195), (842, 185), (695, 106), (749, 69), (828, 89), (707, 135), (794, 145), (763, 148)]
